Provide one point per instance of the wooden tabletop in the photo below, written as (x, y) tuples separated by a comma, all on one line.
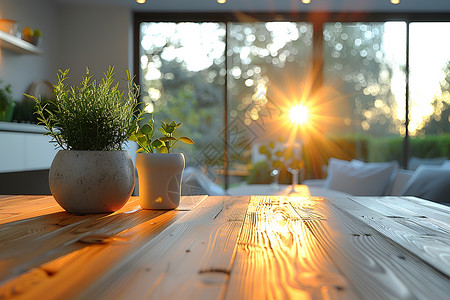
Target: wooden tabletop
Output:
[(258, 247)]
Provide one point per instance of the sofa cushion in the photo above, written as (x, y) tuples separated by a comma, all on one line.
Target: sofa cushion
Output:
[(359, 178), (314, 182), (446, 164), (316, 191), (415, 162), (194, 182), (430, 183), (399, 181)]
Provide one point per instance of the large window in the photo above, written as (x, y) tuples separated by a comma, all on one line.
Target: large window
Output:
[(267, 61), (429, 92), (235, 83), (364, 65), (182, 70)]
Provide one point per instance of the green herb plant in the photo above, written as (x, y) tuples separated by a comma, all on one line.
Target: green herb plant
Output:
[(144, 136), (92, 116), (6, 103)]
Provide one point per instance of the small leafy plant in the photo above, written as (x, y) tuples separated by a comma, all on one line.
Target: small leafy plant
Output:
[(144, 136), (93, 116), (6, 103)]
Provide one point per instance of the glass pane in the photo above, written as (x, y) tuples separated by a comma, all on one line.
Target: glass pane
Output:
[(429, 100), (182, 77), (268, 63), (364, 90)]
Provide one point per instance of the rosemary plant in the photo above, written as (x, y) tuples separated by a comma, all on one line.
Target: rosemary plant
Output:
[(92, 116)]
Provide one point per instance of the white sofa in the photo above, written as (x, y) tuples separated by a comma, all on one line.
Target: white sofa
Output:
[(431, 182)]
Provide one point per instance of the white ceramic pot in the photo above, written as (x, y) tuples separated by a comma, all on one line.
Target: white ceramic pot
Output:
[(91, 181), (160, 179)]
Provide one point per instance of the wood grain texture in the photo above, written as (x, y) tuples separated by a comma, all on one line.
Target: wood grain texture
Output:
[(15, 208), (279, 258), (34, 251), (413, 227), (377, 267), (191, 260), (263, 247)]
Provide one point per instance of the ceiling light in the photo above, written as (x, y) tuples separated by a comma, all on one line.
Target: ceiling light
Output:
[(140, 1), (306, 1), (395, 1), (221, 1)]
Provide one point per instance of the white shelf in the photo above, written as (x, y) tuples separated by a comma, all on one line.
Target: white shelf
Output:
[(17, 45)]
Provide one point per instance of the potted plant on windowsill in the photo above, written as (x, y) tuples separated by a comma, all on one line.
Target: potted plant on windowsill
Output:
[(159, 170), (91, 123)]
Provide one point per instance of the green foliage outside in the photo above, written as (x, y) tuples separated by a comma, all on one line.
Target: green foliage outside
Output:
[(390, 148), (92, 116), (385, 149), (430, 146)]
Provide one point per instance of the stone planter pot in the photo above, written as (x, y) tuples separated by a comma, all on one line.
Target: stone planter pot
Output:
[(91, 181), (160, 179)]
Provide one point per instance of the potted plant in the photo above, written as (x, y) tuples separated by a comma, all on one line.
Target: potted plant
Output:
[(159, 170), (7, 103), (91, 123)]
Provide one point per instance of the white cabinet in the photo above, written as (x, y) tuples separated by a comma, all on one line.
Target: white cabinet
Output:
[(23, 147)]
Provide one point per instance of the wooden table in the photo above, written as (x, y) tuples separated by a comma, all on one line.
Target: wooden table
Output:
[(259, 247)]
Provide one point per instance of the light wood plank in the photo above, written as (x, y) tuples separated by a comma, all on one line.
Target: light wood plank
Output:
[(418, 233), (192, 259), (83, 262), (24, 207), (376, 267), (279, 258), (436, 219), (131, 264), (29, 243), (429, 204), (5, 198)]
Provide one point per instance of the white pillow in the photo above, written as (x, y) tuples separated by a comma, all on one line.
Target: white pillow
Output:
[(415, 162), (430, 183), (401, 178), (446, 164), (359, 178), (194, 182)]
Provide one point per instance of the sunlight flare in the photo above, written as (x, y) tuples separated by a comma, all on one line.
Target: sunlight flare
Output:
[(299, 114)]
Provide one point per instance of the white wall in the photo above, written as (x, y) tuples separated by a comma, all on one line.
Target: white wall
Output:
[(95, 37), (20, 70), (74, 36)]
